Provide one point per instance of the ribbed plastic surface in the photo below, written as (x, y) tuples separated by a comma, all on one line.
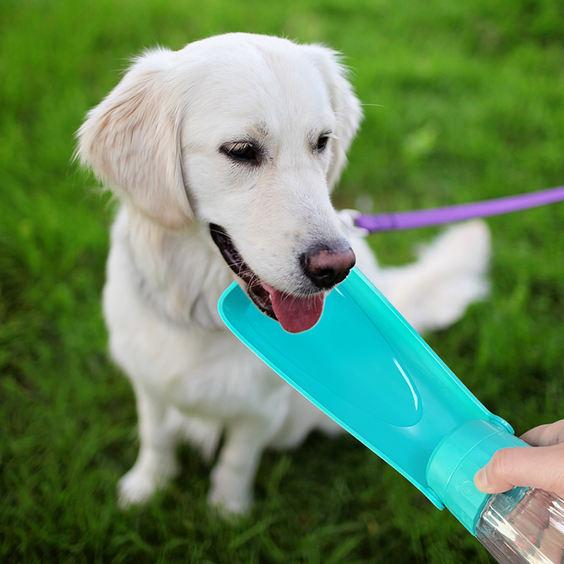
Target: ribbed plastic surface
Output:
[(456, 460), (524, 526)]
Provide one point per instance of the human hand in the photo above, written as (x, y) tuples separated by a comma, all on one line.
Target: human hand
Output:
[(539, 467)]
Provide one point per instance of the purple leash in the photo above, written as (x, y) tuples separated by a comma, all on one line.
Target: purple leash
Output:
[(450, 214)]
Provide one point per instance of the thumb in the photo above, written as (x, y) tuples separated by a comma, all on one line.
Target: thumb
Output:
[(536, 467)]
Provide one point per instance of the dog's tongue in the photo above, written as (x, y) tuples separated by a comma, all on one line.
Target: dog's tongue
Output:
[(296, 314)]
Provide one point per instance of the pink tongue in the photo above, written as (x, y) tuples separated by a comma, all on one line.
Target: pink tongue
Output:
[(296, 314)]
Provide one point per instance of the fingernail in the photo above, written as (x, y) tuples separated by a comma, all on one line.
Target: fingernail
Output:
[(481, 479)]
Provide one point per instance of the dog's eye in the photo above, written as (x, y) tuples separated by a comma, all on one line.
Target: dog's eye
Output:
[(322, 142), (242, 151)]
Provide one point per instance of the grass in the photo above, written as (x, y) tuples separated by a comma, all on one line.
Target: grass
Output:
[(464, 100)]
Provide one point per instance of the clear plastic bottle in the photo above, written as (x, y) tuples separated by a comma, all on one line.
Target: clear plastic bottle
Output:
[(523, 525)]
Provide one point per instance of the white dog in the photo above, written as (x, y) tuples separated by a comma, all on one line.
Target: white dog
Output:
[(223, 156)]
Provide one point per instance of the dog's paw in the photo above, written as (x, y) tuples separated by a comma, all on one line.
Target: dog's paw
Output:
[(229, 504), (229, 507), (135, 488), (139, 484)]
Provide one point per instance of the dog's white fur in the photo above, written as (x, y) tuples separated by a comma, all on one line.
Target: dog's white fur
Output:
[(154, 141)]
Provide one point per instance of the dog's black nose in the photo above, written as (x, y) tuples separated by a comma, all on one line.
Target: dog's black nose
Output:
[(326, 266)]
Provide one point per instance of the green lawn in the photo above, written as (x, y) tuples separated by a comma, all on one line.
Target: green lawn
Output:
[(464, 100)]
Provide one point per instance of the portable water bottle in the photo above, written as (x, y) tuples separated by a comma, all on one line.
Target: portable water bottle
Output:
[(369, 370), (519, 526)]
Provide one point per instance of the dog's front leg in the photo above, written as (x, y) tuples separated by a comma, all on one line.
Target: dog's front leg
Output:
[(232, 478), (156, 462)]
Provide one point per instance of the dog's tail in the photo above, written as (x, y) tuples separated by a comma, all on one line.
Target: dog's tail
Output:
[(451, 273)]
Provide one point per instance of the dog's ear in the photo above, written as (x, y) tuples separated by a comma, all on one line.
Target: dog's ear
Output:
[(345, 105), (131, 140)]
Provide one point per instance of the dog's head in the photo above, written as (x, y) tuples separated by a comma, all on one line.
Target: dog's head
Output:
[(247, 133)]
